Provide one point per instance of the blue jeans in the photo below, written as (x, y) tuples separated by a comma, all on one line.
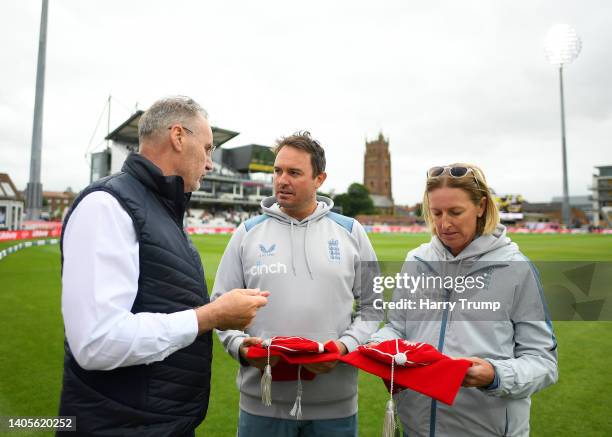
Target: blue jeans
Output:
[(250, 425)]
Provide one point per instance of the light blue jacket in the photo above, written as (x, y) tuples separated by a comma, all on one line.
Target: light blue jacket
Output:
[(312, 270), (517, 340)]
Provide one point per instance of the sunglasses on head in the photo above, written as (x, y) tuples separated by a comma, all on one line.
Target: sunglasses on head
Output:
[(453, 171)]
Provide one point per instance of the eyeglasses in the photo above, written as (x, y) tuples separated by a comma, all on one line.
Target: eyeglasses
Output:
[(454, 172), (207, 149)]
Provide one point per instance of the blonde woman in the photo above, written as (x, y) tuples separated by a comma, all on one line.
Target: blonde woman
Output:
[(509, 340)]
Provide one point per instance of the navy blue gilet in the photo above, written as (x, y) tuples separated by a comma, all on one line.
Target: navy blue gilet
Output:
[(166, 398)]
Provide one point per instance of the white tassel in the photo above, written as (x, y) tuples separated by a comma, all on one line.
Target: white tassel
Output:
[(266, 386), (296, 411), (389, 423), (266, 379)]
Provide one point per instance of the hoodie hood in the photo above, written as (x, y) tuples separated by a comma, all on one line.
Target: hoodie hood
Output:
[(484, 251), (479, 247), (271, 208)]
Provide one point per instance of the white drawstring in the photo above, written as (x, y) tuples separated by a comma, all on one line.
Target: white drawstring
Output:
[(306, 252), (292, 253)]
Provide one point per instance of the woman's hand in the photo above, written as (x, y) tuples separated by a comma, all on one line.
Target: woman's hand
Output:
[(480, 374)]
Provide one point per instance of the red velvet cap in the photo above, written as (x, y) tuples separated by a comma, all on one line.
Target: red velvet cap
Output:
[(417, 366), (294, 351)]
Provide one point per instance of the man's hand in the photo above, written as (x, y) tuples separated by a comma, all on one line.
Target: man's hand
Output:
[(341, 347), (326, 366), (235, 309), (481, 374), (260, 363)]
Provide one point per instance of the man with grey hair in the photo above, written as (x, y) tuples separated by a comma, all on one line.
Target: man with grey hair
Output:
[(137, 316)]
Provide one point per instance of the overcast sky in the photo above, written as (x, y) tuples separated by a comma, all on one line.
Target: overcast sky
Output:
[(446, 81)]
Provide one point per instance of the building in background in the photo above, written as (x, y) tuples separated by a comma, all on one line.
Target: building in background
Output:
[(510, 207), (582, 203), (124, 140), (11, 205), (515, 210), (377, 174), (602, 196), (550, 212), (232, 191), (56, 203)]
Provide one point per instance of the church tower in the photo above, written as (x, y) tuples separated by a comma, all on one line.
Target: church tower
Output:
[(377, 167)]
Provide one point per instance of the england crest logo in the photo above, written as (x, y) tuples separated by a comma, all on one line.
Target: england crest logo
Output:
[(333, 250)]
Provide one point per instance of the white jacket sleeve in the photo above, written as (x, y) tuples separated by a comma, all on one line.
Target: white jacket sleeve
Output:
[(365, 318), (535, 364), (99, 286), (229, 276)]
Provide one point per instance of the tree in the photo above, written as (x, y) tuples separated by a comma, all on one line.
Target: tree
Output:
[(418, 210), (355, 201)]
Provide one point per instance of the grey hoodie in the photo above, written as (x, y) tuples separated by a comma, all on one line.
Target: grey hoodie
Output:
[(518, 342), (311, 268)]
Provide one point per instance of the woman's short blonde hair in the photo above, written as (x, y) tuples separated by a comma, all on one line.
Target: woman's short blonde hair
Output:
[(475, 185)]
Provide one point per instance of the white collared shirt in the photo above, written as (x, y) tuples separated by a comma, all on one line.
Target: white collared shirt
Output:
[(99, 286)]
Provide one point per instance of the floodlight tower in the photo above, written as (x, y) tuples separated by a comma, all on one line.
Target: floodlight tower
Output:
[(562, 46), (34, 188)]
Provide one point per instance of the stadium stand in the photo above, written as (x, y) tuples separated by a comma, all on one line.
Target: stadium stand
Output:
[(228, 195)]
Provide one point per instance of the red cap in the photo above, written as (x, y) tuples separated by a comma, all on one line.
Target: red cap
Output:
[(417, 366), (294, 351)]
